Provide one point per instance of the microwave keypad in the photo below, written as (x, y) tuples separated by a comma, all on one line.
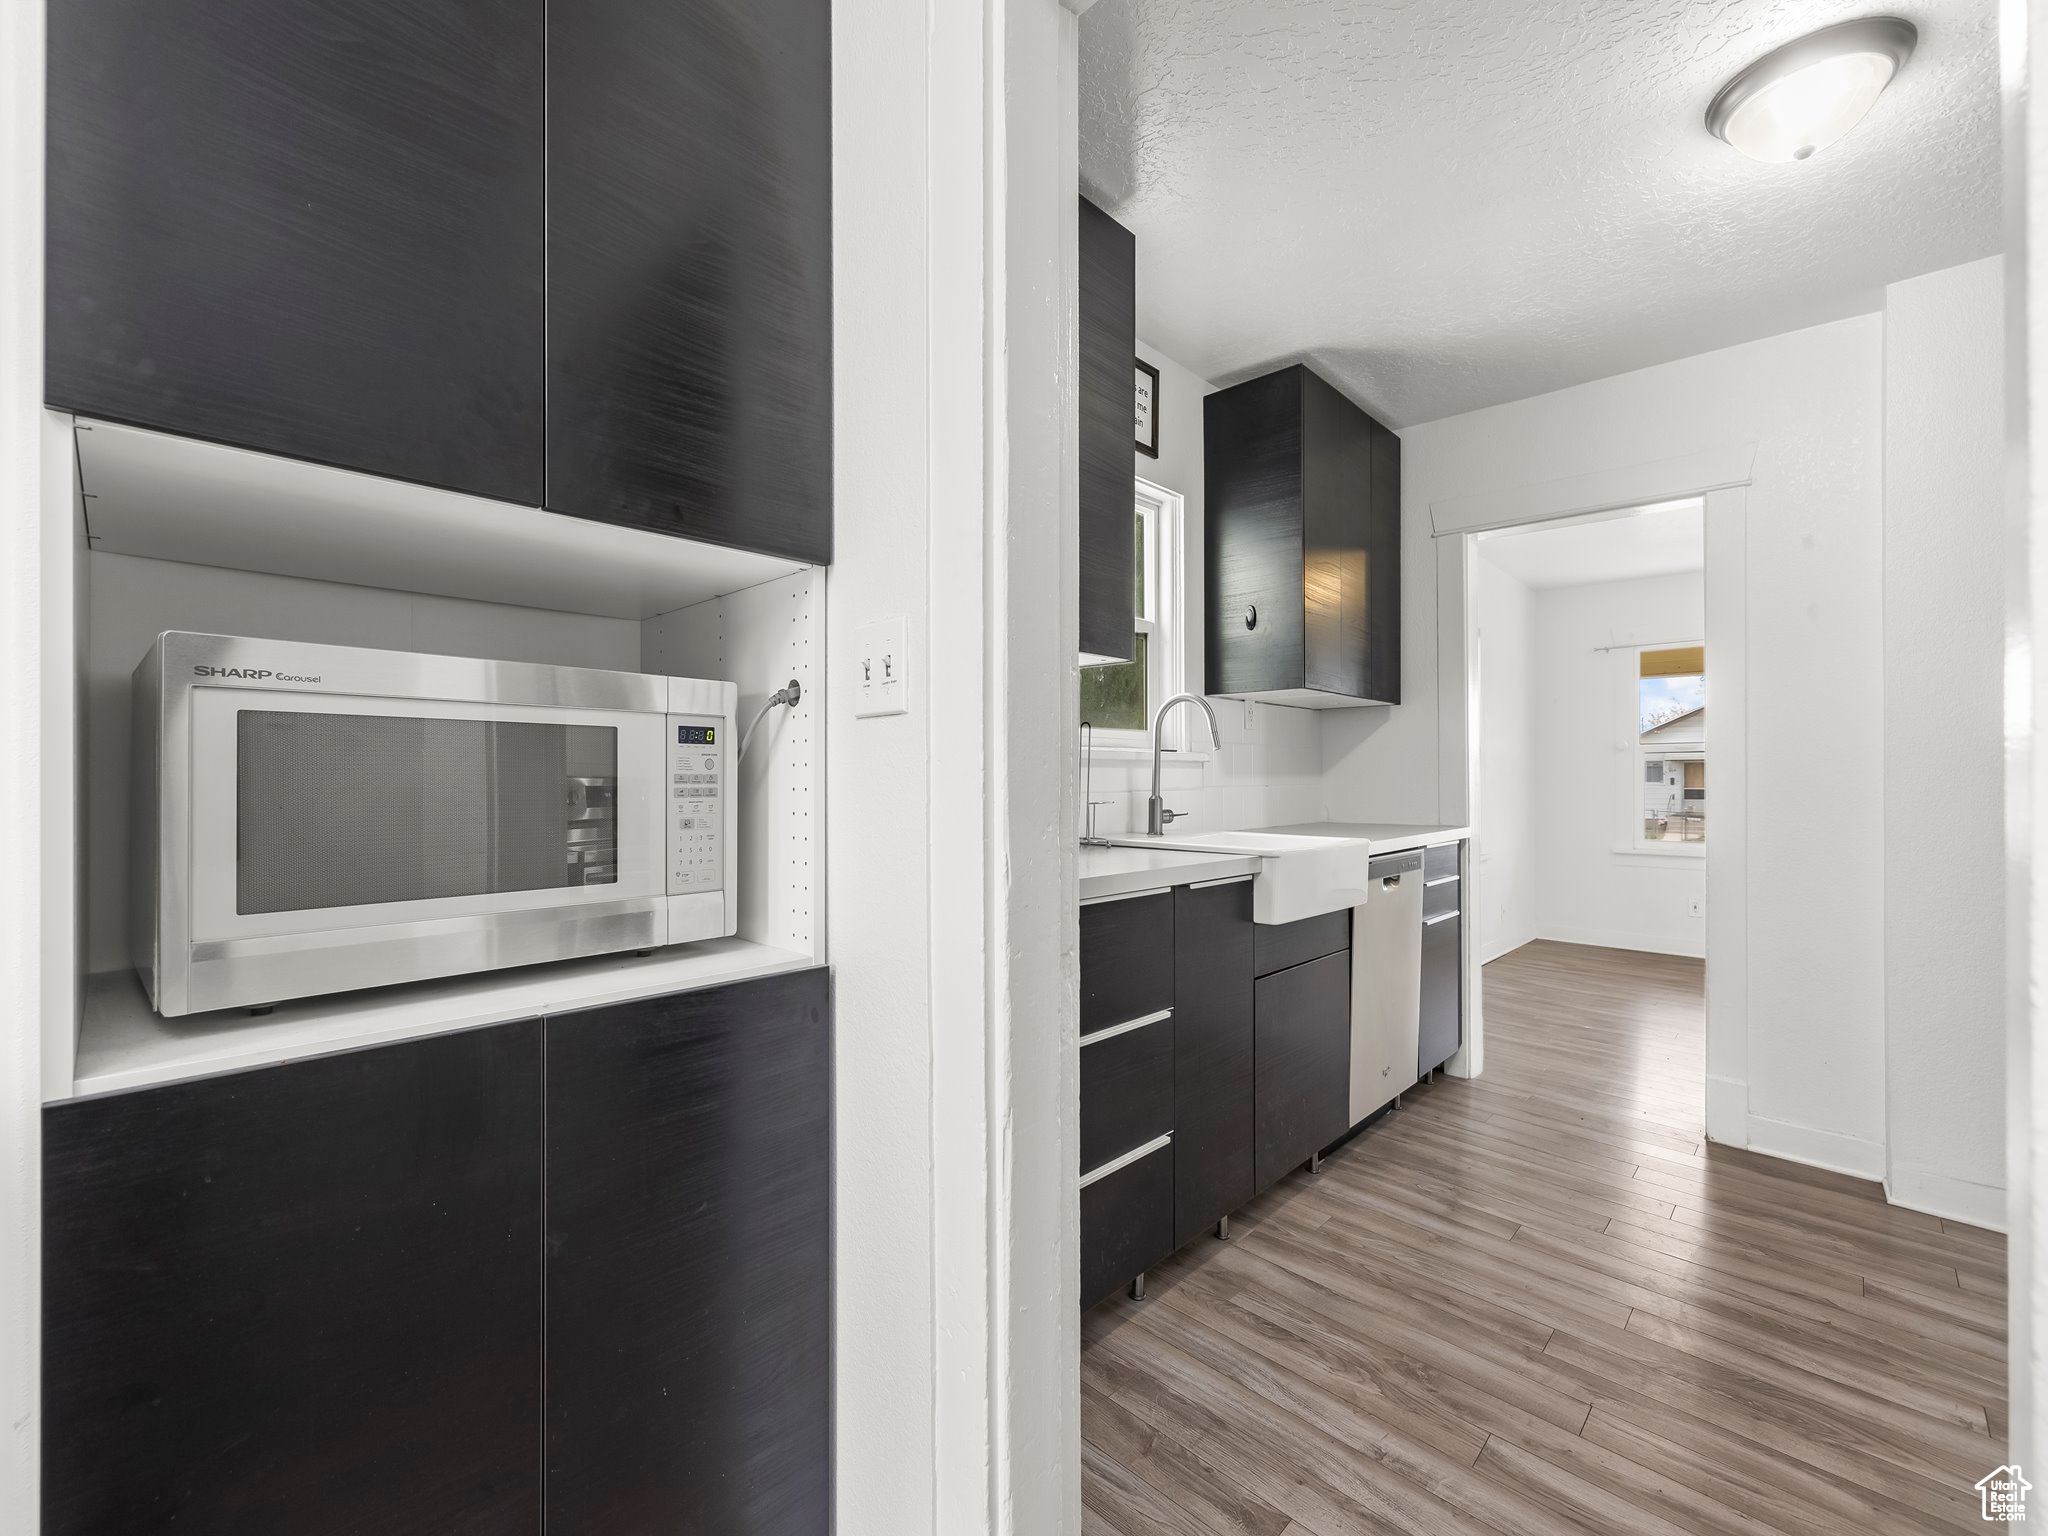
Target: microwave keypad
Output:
[(696, 809)]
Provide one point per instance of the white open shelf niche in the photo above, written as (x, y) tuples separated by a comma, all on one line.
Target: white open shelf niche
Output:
[(170, 533)]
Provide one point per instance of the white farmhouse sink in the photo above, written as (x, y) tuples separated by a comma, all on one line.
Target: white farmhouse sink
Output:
[(1298, 876)]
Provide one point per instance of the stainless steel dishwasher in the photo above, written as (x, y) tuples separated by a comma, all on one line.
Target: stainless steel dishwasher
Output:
[(1386, 983)]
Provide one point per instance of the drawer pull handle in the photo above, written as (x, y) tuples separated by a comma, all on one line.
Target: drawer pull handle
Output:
[(1441, 917), (1126, 1027), (1118, 1164), (1150, 890)]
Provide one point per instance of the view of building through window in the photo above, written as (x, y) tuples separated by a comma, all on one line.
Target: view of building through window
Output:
[(1671, 726)]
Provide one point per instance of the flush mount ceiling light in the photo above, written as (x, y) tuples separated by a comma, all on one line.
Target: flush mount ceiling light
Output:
[(1804, 96)]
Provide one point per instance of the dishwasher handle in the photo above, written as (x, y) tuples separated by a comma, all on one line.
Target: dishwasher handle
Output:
[(1388, 868)]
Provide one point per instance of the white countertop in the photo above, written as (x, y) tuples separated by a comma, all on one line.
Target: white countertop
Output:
[(1124, 871), (123, 1043), (1385, 836)]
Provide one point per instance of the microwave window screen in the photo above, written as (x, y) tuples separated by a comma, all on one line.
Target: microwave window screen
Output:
[(355, 810)]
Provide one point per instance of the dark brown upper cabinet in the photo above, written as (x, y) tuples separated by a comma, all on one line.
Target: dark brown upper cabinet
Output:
[(1304, 545), (689, 278), (307, 227), (1109, 354)]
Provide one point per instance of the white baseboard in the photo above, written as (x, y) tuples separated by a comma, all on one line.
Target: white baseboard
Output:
[(1489, 955), (1614, 938), (1832, 1150), (1943, 1194)]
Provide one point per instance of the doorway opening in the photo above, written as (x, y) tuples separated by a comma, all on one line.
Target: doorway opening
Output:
[(1592, 764)]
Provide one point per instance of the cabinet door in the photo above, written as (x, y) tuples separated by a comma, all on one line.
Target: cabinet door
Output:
[(305, 1298), (308, 227), (1213, 1055), (1252, 454), (689, 1226), (1442, 1023), (1109, 350), (1304, 1063), (690, 269)]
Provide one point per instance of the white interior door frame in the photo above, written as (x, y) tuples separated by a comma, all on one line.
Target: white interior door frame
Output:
[(1720, 477)]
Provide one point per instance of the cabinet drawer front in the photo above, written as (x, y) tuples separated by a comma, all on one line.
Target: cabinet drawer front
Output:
[(1126, 1223), (1440, 898), (1126, 959), (1303, 1068), (1439, 860), (1126, 1091), (1442, 1023), (1280, 945)]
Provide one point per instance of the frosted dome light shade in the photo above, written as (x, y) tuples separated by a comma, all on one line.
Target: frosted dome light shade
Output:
[(1810, 108), (1809, 93)]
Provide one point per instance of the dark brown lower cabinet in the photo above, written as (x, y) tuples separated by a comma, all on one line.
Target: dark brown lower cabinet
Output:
[(1441, 1027), (1302, 1099), (304, 1299), (689, 1271), (1213, 1055), (396, 1289), (1126, 1223)]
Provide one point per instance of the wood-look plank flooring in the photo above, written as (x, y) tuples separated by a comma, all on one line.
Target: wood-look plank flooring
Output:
[(1539, 1301)]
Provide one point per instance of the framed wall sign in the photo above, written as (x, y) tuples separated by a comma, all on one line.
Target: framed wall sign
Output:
[(1148, 409)]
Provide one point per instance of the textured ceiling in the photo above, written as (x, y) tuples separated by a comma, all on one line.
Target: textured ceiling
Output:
[(1444, 204), (1659, 541)]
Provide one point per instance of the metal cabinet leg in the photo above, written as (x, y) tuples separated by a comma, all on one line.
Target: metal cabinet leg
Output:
[(1315, 1162), (1138, 1286), (1223, 1229)]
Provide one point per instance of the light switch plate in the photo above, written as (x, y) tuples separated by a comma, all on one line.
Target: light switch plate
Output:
[(1251, 718), (881, 667)]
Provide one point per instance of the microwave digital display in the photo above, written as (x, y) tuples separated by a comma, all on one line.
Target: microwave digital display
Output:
[(697, 735)]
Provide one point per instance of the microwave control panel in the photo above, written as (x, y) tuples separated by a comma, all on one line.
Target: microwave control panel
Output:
[(696, 803)]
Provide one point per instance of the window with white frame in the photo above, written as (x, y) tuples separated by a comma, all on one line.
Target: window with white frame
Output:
[(1668, 721), (1118, 699)]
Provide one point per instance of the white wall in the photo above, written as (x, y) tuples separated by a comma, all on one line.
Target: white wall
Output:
[(36, 974), (1943, 740), (949, 860), (1588, 891), (2023, 44), (1505, 815), (876, 780), (1805, 1072), (1269, 772), (1555, 767)]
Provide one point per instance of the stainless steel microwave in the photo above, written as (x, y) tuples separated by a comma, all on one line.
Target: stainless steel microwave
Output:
[(317, 818)]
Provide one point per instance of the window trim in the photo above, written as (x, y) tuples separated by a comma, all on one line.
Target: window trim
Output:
[(1165, 514), (1636, 755)]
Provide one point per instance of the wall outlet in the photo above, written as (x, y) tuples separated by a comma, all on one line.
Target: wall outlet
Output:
[(1251, 718), (881, 667), (1697, 907)]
